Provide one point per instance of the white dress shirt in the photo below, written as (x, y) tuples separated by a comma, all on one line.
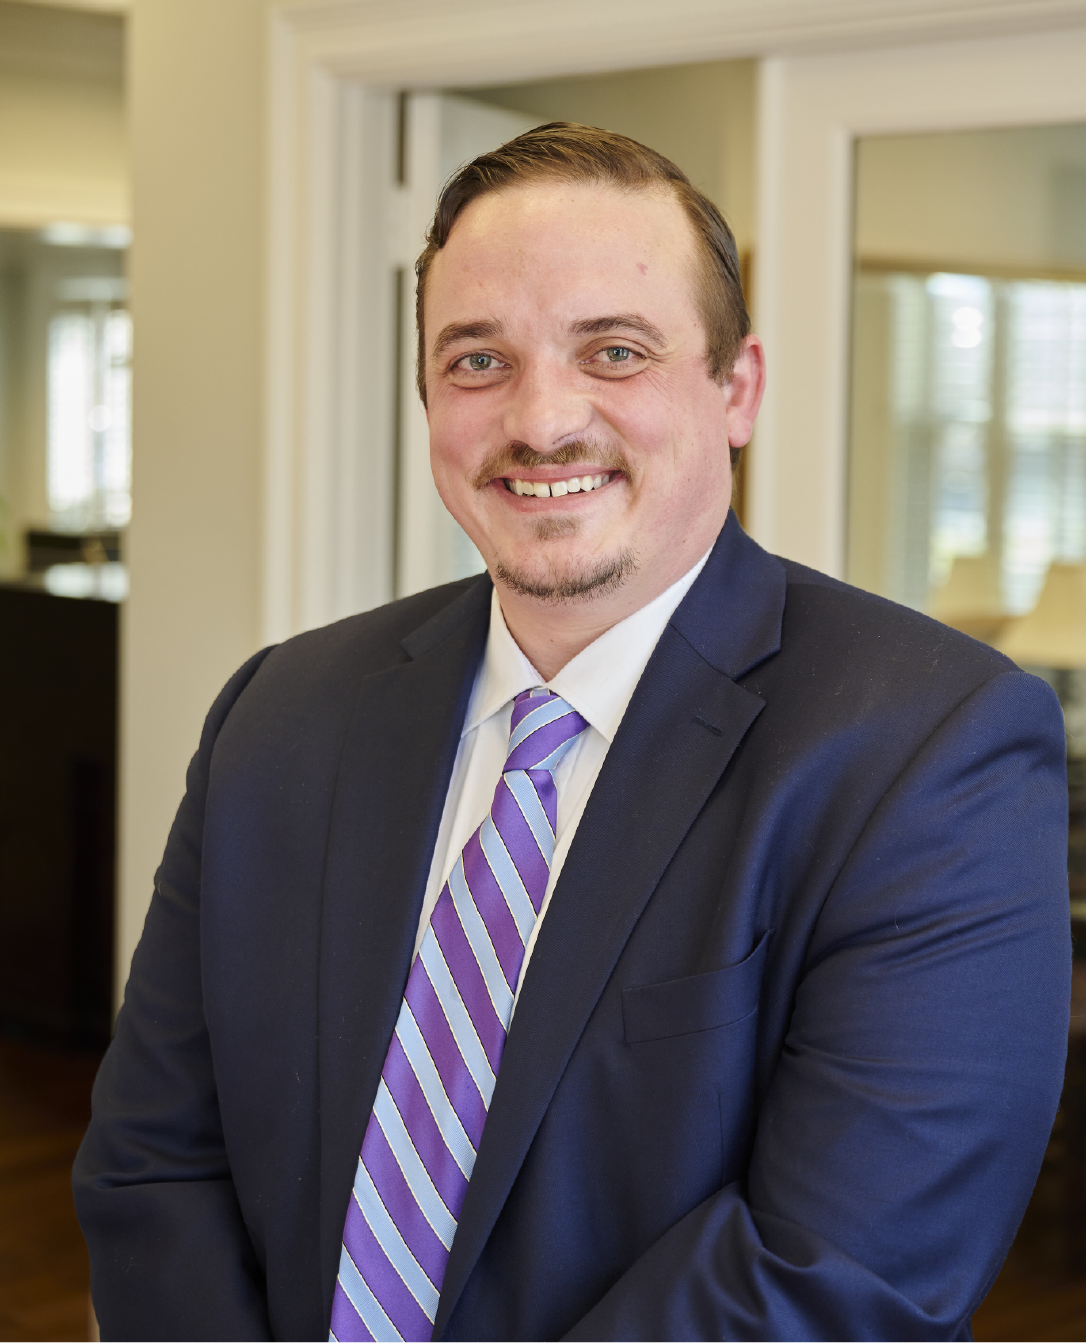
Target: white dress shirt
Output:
[(598, 683)]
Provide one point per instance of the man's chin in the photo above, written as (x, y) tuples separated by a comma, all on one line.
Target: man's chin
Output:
[(567, 580)]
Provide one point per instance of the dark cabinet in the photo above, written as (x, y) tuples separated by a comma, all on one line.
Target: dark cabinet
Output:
[(58, 766)]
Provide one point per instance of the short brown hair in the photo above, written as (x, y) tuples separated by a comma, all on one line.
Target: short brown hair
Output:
[(564, 151)]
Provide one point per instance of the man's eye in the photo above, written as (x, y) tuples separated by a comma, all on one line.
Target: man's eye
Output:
[(480, 363)]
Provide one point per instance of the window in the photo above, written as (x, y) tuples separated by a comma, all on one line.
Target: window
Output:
[(969, 435), (89, 398)]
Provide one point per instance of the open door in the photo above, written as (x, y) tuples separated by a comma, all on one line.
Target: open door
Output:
[(439, 133)]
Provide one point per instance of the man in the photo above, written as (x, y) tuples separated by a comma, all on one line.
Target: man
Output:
[(666, 941)]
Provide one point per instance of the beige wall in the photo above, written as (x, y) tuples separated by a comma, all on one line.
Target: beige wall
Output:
[(1009, 198), (62, 151), (63, 154), (197, 102), (700, 116)]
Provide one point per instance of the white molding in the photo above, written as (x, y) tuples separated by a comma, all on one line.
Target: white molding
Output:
[(281, 447), (429, 42), (328, 376), (419, 536), (327, 531), (100, 6), (812, 109), (318, 308)]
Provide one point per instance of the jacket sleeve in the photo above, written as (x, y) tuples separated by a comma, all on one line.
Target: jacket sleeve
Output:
[(905, 1123), (170, 1255)]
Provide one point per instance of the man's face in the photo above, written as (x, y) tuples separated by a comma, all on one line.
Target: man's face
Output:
[(575, 433)]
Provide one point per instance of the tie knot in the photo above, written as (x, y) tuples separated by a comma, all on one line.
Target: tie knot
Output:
[(542, 730)]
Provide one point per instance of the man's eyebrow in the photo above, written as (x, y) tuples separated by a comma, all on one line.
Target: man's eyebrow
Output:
[(457, 331), (621, 321)]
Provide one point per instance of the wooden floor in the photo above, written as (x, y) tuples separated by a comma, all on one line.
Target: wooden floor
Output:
[(44, 1274), (1033, 1311), (44, 1107)]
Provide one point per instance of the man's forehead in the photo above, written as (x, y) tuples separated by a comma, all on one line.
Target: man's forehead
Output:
[(557, 207), (560, 238)]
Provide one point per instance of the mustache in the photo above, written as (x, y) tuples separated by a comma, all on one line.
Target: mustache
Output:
[(505, 461)]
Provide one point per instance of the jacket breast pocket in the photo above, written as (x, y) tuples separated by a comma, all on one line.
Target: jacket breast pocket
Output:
[(695, 1003)]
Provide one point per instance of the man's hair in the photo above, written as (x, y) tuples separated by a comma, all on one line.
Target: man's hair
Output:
[(565, 152)]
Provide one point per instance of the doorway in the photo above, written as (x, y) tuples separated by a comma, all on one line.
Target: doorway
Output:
[(702, 116)]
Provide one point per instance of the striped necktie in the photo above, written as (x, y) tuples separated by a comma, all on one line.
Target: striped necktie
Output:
[(420, 1143)]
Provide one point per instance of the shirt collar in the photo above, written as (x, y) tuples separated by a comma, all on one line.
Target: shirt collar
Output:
[(599, 682)]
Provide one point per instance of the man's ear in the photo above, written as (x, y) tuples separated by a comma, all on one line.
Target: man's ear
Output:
[(743, 391)]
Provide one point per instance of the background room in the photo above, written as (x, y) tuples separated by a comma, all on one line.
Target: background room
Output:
[(210, 439), (65, 497)]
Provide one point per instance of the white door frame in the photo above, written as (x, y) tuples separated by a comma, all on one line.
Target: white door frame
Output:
[(333, 65), (811, 111)]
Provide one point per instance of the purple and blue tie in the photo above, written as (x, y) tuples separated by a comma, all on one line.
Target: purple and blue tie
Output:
[(420, 1144)]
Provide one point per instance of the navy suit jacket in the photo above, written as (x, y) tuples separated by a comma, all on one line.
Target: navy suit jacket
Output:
[(789, 1046)]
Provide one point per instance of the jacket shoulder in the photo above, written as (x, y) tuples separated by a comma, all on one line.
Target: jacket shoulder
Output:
[(823, 611), (333, 658), (304, 689), (373, 640), (848, 657)]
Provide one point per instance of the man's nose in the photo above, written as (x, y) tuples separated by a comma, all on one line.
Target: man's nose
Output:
[(546, 407)]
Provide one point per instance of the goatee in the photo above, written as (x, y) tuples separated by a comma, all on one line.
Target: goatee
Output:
[(598, 579)]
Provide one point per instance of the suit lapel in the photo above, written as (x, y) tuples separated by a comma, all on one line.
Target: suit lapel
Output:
[(394, 772), (683, 724)]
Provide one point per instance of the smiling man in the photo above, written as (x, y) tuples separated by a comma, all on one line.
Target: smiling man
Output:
[(577, 432), (650, 938)]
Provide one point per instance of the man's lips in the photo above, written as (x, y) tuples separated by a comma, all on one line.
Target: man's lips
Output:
[(556, 489)]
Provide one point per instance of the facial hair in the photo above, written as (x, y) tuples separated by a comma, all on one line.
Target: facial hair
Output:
[(505, 461), (596, 579), (603, 577)]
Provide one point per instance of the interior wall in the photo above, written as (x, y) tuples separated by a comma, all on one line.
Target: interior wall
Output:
[(1001, 199), (196, 79), (63, 151), (700, 116)]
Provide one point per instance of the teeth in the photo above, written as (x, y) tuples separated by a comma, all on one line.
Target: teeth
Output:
[(555, 489)]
